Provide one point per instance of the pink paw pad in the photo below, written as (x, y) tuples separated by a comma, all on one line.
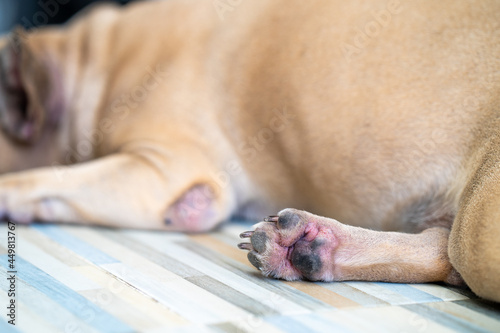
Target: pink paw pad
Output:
[(292, 246)]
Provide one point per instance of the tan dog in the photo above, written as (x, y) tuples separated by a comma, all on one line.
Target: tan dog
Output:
[(179, 114)]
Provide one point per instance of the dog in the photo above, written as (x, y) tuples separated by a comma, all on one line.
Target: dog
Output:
[(175, 115)]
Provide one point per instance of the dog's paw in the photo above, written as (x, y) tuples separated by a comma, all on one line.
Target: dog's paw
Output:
[(22, 201), (15, 202), (294, 245)]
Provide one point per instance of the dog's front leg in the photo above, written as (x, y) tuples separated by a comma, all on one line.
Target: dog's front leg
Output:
[(137, 190), (299, 245)]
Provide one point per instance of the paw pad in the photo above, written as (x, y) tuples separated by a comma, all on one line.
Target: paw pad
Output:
[(290, 246), (259, 240)]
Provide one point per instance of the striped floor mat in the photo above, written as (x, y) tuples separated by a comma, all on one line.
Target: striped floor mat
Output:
[(85, 279)]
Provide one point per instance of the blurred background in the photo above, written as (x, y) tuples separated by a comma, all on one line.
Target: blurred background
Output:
[(34, 13)]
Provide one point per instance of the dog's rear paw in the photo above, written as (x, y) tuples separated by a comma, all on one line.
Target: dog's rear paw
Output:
[(293, 245)]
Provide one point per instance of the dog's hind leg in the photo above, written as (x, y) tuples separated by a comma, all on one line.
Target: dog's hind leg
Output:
[(474, 244), (299, 245), (140, 189)]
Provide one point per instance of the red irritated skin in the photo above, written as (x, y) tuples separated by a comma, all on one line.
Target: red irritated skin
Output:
[(298, 245)]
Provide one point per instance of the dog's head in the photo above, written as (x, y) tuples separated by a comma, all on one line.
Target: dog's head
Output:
[(29, 100)]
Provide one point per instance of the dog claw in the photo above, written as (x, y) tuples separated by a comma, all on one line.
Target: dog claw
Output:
[(246, 234), (272, 218), (245, 246)]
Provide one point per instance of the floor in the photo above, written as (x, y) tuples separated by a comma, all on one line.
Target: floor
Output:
[(85, 279)]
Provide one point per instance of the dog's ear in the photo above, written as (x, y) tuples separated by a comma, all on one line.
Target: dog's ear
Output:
[(27, 88)]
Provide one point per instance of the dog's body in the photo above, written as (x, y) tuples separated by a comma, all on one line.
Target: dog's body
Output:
[(379, 114)]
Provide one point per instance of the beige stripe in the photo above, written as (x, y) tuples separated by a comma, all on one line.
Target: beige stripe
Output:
[(52, 248), (147, 307), (318, 292), (224, 274), (52, 266), (136, 268), (441, 292), (323, 294), (251, 325), (384, 319), (469, 315), (214, 244)]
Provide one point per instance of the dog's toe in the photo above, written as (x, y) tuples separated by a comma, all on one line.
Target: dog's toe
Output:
[(254, 260), (259, 240)]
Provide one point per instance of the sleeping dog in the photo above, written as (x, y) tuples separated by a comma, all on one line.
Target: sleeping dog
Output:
[(383, 116)]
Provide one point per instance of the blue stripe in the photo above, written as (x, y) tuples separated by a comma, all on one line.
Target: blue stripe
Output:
[(67, 298), (358, 296), (287, 324), (76, 245), (318, 323), (481, 306), (409, 292), (44, 307), (314, 323), (443, 318), (7, 328)]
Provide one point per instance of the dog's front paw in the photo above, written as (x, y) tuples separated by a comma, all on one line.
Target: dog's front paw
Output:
[(294, 245), (15, 200), (22, 201)]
